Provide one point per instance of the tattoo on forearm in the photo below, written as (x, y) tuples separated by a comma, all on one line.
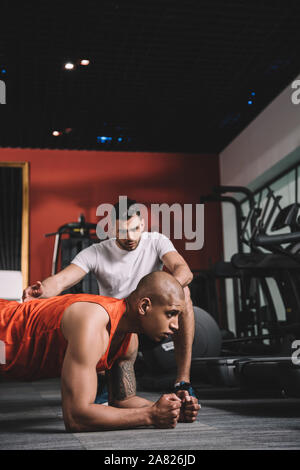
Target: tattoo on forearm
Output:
[(122, 380)]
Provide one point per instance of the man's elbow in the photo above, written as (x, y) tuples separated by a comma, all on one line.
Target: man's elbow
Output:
[(72, 427), (71, 423), (184, 272), (75, 421), (190, 277)]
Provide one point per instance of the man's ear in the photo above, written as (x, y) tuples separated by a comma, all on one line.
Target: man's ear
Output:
[(144, 305)]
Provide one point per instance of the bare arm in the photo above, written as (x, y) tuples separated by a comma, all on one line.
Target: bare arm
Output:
[(79, 385), (183, 339), (122, 383), (54, 285), (122, 388), (177, 266)]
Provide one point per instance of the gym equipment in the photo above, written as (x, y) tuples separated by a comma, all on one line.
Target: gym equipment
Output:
[(158, 369), (207, 342), (250, 287), (70, 239), (245, 292), (203, 291), (259, 357)]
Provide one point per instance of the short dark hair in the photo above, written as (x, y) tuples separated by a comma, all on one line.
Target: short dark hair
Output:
[(120, 214)]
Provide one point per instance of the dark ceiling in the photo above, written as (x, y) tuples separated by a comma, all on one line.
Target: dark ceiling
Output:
[(164, 75)]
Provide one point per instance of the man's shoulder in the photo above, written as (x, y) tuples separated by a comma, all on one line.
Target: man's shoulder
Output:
[(81, 314)]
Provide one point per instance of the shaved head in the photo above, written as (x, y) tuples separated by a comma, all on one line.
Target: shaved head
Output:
[(153, 308), (161, 288)]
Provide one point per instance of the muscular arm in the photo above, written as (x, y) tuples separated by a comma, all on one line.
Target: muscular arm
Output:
[(177, 266), (87, 341), (122, 388), (122, 383), (54, 285), (183, 339)]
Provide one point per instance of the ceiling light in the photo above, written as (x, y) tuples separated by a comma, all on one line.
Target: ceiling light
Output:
[(55, 133), (84, 62), (69, 66)]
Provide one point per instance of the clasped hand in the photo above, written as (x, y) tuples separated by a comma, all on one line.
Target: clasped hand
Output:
[(172, 408)]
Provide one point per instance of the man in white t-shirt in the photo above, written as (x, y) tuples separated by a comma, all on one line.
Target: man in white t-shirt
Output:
[(119, 264)]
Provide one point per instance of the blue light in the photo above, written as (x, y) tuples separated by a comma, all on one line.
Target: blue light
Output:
[(253, 93), (103, 139), (120, 139), (249, 102), (3, 71)]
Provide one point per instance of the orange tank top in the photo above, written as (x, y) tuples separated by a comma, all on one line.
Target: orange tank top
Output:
[(34, 344)]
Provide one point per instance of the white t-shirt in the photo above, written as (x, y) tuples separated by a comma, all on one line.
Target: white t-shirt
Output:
[(118, 271)]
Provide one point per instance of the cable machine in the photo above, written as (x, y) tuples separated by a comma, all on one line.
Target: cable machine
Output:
[(70, 239)]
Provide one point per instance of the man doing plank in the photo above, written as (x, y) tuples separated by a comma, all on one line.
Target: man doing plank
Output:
[(118, 265), (76, 336)]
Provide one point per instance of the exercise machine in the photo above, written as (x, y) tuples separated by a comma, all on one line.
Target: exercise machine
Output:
[(70, 239), (261, 352), (258, 356)]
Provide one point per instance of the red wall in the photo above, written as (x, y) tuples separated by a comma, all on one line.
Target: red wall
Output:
[(64, 184)]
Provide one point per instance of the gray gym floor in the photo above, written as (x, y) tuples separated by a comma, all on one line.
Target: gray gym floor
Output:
[(31, 418)]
